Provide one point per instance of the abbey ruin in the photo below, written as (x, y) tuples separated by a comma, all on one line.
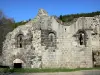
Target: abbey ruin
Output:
[(46, 43)]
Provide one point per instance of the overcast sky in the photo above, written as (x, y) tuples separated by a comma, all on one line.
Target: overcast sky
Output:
[(25, 9)]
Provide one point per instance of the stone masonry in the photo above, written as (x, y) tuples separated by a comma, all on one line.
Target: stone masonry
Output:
[(45, 43)]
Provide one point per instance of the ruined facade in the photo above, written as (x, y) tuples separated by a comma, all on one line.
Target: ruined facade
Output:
[(45, 43)]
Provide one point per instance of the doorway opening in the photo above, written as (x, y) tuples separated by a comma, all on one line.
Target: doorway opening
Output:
[(17, 65), (96, 58)]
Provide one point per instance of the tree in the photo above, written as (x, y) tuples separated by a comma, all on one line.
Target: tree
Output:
[(60, 17), (5, 27), (69, 18)]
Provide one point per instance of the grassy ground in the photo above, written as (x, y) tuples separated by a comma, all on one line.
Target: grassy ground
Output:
[(27, 70)]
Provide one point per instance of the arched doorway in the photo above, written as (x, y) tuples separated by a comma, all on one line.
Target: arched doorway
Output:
[(96, 58), (17, 63)]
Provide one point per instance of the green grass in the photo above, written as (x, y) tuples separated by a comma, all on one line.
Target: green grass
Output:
[(36, 70)]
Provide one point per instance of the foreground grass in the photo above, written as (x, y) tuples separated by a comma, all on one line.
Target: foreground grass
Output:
[(27, 70)]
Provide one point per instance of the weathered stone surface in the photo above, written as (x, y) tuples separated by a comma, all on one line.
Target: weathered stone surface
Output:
[(45, 43)]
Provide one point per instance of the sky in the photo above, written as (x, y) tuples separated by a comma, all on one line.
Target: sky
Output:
[(28, 9)]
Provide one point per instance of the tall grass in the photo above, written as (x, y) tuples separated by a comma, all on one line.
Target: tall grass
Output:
[(35, 70)]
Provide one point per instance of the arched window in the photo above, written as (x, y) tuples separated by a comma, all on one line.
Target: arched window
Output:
[(20, 41), (81, 37), (52, 39)]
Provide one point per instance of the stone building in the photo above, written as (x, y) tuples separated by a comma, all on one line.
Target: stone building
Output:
[(44, 42)]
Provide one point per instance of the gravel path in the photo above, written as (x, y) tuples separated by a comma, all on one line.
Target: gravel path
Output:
[(92, 72)]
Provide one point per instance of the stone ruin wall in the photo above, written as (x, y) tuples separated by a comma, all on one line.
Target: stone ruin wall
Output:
[(65, 50), (69, 52)]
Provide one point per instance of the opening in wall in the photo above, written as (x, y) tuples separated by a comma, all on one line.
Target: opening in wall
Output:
[(20, 41), (81, 39), (52, 39), (17, 65), (96, 58)]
